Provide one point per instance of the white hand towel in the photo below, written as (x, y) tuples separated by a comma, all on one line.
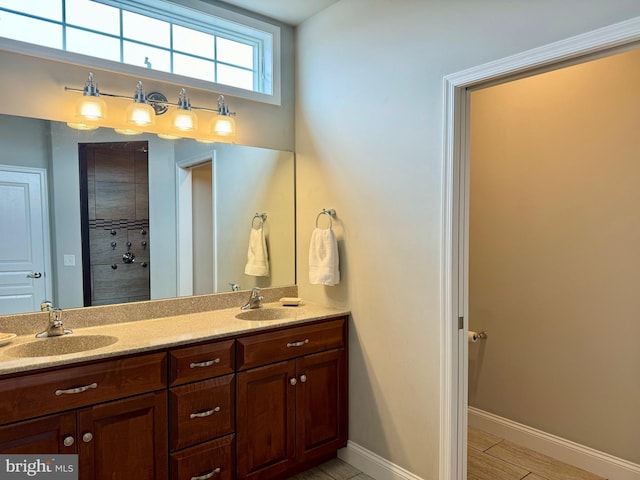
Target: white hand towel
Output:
[(257, 256), (323, 258)]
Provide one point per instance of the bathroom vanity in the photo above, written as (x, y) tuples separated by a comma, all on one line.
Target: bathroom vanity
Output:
[(209, 396)]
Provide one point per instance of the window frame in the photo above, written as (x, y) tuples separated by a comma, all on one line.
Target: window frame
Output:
[(174, 12)]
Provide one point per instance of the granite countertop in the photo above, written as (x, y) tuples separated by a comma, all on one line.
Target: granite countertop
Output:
[(156, 334)]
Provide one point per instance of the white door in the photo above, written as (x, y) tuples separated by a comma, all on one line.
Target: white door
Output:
[(24, 240)]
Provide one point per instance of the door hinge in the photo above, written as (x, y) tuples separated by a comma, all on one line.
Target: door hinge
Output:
[(460, 323)]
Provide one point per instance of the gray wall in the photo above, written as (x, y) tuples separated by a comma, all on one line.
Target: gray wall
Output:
[(369, 109), (24, 141)]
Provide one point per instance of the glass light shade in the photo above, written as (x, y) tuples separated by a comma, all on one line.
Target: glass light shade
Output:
[(223, 125), (184, 120), (91, 108), (83, 125), (140, 114), (127, 131)]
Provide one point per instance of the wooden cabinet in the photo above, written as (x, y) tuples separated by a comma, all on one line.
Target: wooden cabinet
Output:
[(202, 409), (266, 421), (124, 439), (258, 406), (116, 439), (50, 434), (291, 414)]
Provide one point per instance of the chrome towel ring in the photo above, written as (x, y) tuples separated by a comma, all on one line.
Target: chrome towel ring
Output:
[(331, 213), (261, 218)]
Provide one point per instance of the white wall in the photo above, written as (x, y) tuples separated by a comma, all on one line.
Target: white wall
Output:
[(369, 144)]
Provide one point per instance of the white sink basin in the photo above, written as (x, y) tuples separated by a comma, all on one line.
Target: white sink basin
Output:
[(62, 345)]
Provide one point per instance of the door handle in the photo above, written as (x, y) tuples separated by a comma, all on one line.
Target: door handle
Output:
[(34, 275)]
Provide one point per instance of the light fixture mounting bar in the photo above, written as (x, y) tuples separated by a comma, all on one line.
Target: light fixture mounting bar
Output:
[(157, 98)]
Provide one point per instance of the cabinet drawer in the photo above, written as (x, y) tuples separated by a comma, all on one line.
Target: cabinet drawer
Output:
[(201, 411), (212, 460), (37, 394), (203, 361), (272, 347)]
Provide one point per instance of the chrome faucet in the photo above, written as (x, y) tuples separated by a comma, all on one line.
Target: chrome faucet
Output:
[(254, 300), (55, 327)]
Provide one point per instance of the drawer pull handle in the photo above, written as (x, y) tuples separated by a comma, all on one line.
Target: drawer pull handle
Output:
[(298, 344), (208, 363), (76, 390), (204, 414), (68, 441), (208, 475), (293, 381), (303, 378)]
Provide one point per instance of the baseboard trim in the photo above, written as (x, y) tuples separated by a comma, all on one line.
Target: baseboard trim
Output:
[(372, 464), (567, 451)]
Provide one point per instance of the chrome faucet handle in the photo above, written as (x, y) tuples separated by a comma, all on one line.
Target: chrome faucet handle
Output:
[(55, 317), (255, 292), (254, 300), (55, 328), (46, 306)]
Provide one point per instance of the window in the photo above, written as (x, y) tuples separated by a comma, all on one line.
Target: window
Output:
[(207, 44)]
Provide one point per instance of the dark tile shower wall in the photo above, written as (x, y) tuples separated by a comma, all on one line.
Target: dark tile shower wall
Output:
[(116, 222)]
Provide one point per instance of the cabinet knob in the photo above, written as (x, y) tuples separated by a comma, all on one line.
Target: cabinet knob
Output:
[(87, 437), (303, 378), (293, 381), (68, 441)]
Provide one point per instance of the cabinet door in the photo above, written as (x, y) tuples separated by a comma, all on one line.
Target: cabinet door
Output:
[(266, 421), (124, 439), (321, 401), (52, 434)]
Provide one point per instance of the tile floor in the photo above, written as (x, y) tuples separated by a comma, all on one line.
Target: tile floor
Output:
[(492, 458), (489, 458), (334, 469)]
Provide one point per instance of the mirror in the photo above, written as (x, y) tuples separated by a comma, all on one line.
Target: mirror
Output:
[(202, 203)]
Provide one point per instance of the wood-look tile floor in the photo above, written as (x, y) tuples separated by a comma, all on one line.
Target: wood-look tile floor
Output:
[(334, 469), (489, 458), (492, 458)]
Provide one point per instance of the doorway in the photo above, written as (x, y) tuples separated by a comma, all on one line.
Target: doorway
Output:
[(196, 225), (455, 215), (553, 261), (25, 257), (114, 203)]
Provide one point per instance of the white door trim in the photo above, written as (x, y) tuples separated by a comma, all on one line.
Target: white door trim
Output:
[(184, 199), (454, 277)]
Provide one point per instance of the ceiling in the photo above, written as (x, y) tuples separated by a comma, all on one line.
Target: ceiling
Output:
[(292, 12)]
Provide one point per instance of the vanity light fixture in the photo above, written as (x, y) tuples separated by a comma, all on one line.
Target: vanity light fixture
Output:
[(183, 118), (223, 124), (83, 125), (140, 115), (91, 107)]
